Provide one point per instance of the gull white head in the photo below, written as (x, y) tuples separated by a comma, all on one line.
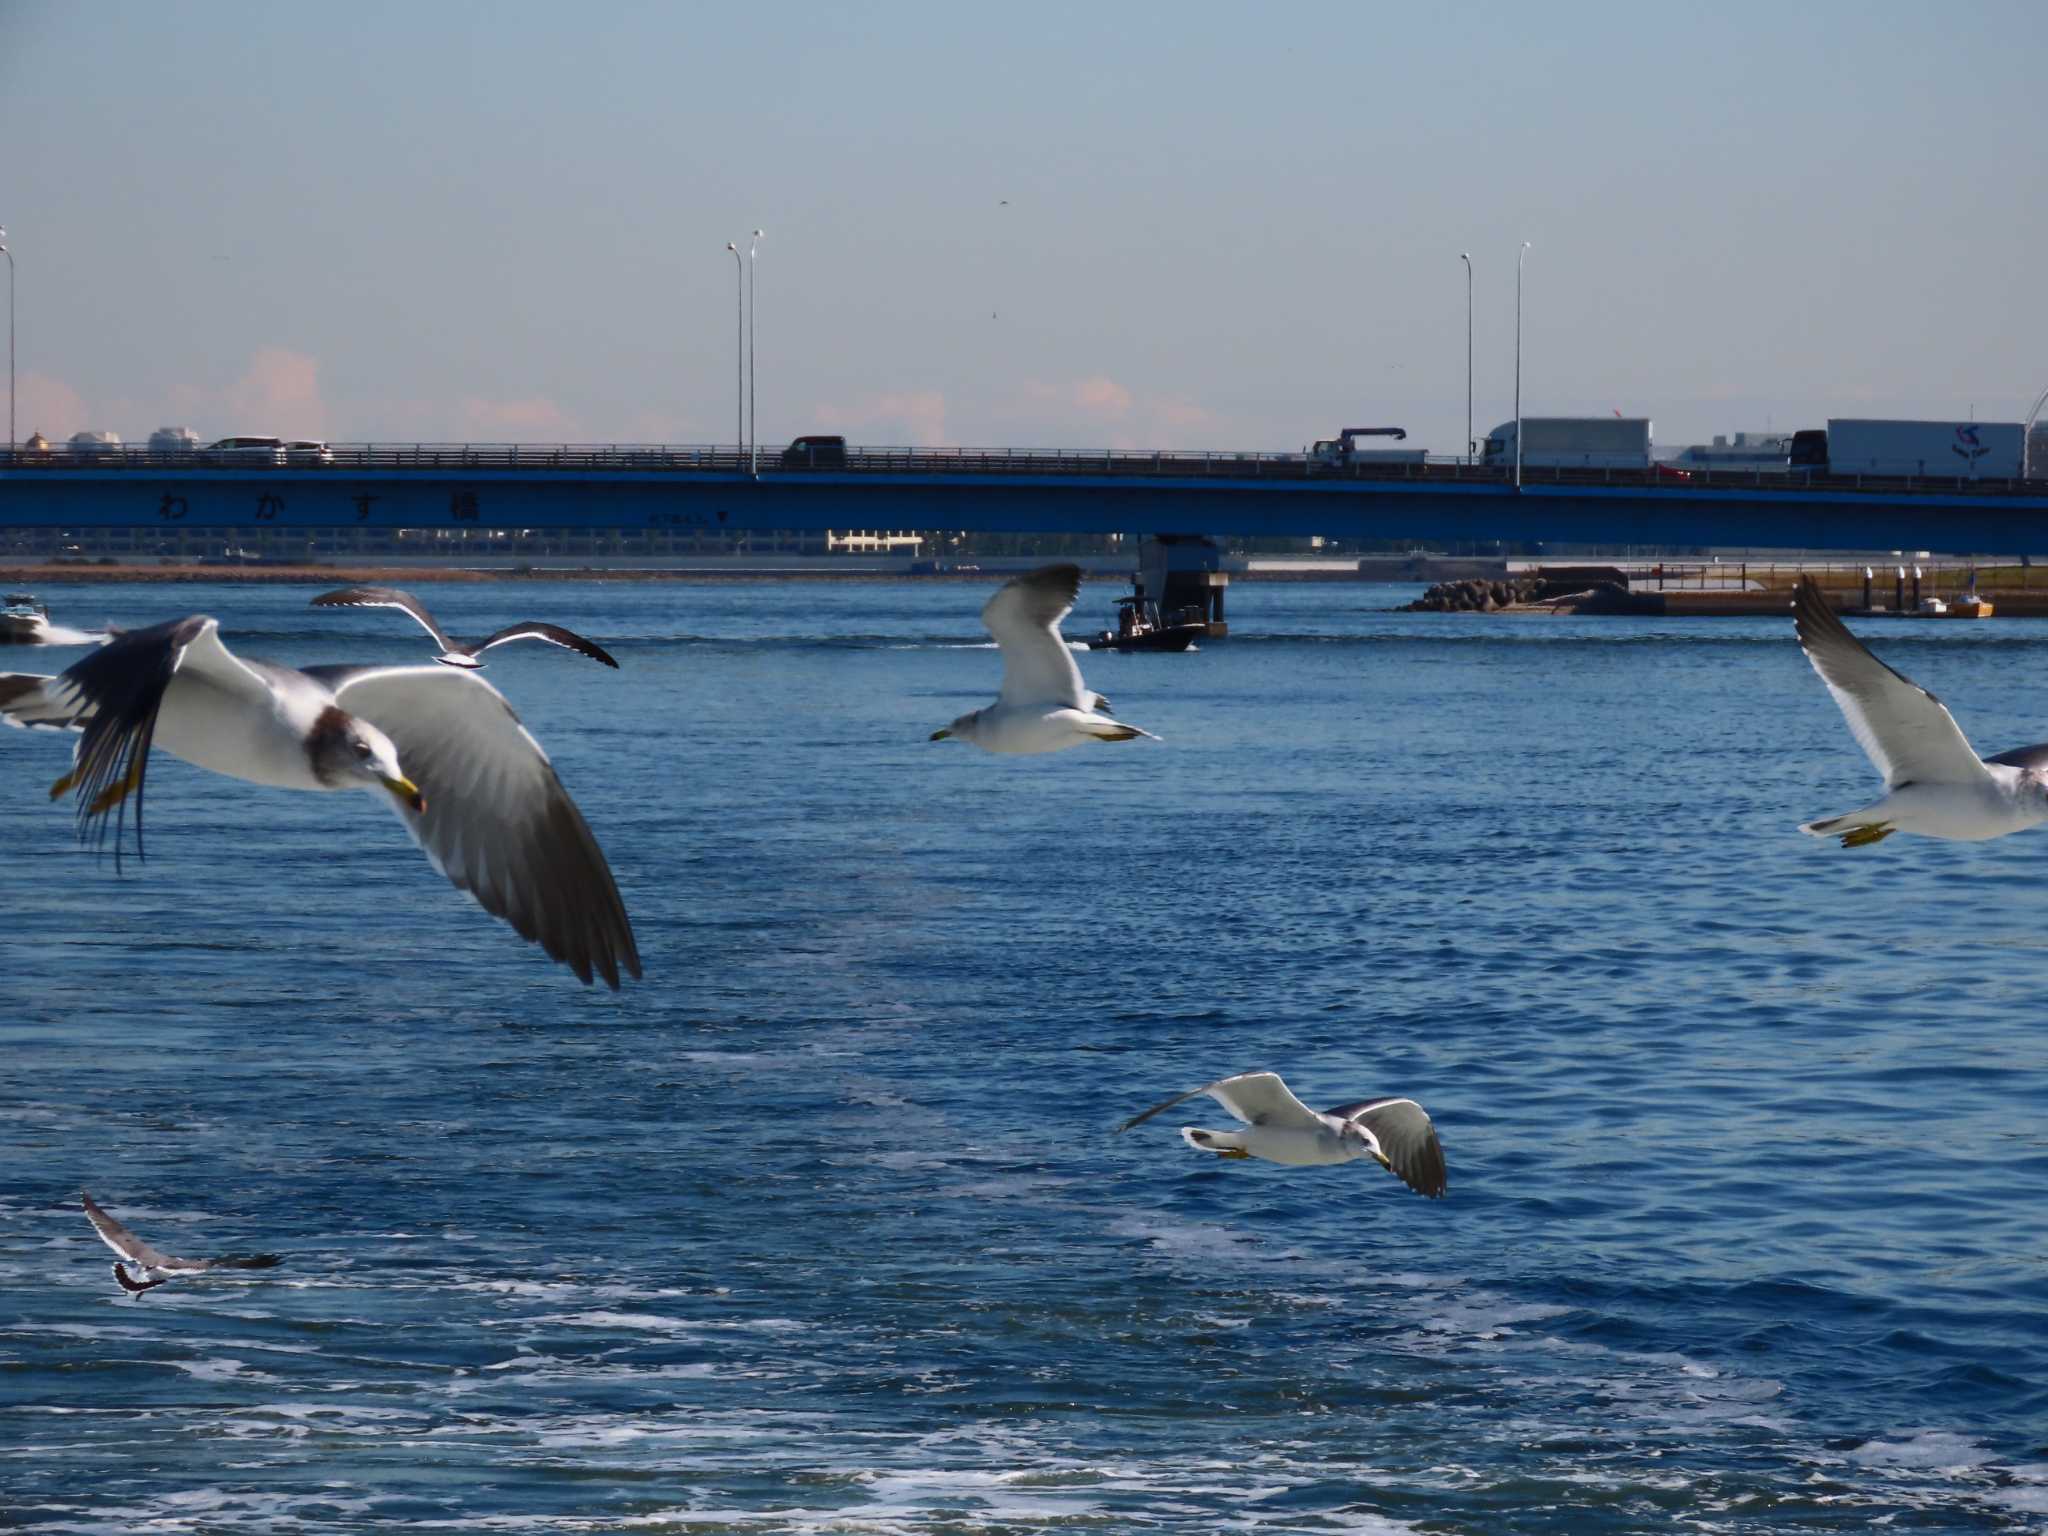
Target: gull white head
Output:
[(962, 729), (350, 753)]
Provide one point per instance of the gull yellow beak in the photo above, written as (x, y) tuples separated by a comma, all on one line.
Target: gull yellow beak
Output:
[(941, 735), (409, 792)]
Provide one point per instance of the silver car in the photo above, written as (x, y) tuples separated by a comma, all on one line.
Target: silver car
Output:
[(244, 451), (306, 451)]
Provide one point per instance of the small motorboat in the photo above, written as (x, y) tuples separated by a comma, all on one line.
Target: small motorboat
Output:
[(23, 620), (1139, 628)]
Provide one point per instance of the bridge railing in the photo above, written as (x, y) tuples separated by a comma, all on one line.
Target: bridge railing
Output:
[(856, 461)]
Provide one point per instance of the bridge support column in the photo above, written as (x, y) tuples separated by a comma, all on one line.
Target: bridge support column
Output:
[(1183, 572)]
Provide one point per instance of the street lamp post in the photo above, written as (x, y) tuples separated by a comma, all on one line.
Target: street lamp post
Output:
[(739, 350), (2026, 432), (1518, 362), (12, 440), (1470, 445), (753, 380)]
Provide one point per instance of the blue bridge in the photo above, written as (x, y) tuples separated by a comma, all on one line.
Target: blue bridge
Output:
[(710, 490)]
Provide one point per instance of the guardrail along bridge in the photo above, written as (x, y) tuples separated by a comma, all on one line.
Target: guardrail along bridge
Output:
[(649, 488)]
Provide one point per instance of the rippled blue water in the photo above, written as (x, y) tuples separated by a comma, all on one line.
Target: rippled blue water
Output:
[(821, 1227)]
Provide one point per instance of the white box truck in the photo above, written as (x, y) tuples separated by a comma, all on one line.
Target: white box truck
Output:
[(1572, 442), (1969, 450)]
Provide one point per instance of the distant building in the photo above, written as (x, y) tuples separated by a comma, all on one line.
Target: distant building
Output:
[(869, 542)]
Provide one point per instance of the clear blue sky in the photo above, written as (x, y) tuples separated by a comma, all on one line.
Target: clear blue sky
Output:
[(1226, 225)]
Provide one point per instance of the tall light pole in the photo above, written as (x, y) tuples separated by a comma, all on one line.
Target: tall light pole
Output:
[(739, 350), (12, 440), (1518, 362), (753, 380), (2026, 432), (1466, 257)]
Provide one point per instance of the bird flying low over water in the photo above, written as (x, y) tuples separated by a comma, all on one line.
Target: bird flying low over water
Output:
[(153, 1268), (1395, 1133), (1935, 783), (453, 652), (1043, 706), (440, 746)]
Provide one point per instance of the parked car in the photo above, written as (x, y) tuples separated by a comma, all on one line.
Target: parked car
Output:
[(95, 447), (1665, 471), (307, 451), (245, 450), (815, 452)]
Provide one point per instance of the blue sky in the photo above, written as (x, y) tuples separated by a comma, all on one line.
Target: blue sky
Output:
[(1226, 226)]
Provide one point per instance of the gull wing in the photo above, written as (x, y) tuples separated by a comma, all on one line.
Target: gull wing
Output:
[(1256, 1098), (1024, 616), (124, 1242), (554, 634), (2035, 757), (1406, 1137), (1906, 732), (386, 597), (112, 698), (498, 822)]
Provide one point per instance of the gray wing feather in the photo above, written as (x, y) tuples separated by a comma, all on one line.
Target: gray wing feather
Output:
[(1907, 732), (386, 597), (498, 822), (121, 1240), (1024, 617), (1407, 1139), (554, 634), (1256, 1098)]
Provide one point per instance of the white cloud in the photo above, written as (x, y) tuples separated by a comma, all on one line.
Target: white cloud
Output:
[(915, 418)]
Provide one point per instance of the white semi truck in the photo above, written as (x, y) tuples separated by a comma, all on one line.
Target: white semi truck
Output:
[(1969, 450), (1572, 442)]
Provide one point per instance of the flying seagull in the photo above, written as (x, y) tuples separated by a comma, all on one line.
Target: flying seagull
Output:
[(1935, 784), (473, 788), (453, 652), (152, 1268), (1043, 706), (1395, 1133)]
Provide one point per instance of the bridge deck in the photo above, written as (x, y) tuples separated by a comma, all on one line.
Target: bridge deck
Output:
[(652, 487)]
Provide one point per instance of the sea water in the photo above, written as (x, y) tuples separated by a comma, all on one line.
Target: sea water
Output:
[(822, 1226)]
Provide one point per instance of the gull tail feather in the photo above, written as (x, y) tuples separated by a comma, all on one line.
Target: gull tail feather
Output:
[(1853, 829), (1111, 730)]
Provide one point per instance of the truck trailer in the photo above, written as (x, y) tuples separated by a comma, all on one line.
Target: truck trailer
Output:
[(1572, 442), (1967, 450)]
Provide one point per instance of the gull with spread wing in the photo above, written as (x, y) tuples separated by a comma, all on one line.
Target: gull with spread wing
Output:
[(1935, 783), (1395, 1133), (153, 1267), (441, 746), (1043, 706), (454, 653)]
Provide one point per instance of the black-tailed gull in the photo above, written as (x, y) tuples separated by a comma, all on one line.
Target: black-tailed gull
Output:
[(153, 1268), (472, 786), (1935, 783), (1395, 1133), (1043, 706), (453, 652)]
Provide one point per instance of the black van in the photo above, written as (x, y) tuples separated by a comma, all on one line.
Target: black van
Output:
[(815, 452)]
